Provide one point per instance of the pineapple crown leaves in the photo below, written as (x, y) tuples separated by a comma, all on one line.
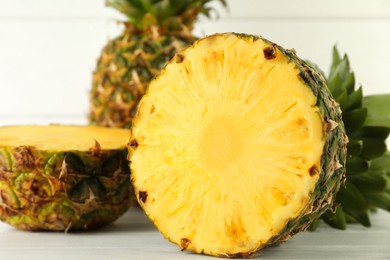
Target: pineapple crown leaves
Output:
[(171, 14), (367, 123)]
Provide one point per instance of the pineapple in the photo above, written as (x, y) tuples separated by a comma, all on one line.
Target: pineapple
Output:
[(236, 145), (154, 32), (63, 177)]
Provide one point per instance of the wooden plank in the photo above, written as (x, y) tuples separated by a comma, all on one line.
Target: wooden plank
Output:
[(134, 237)]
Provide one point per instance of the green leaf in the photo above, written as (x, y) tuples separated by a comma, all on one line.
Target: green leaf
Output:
[(355, 100), (341, 70), (342, 99), (369, 182), (356, 165), (314, 225), (336, 219), (361, 217), (161, 10), (381, 200), (373, 148), (335, 61), (378, 110), (354, 147), (334, 85), (349, 82), (354, 120), (350, 219), (351, 198), (377, 132), (381, 164)]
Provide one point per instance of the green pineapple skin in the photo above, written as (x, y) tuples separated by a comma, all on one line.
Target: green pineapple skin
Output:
[(63, 191), (125, 68)]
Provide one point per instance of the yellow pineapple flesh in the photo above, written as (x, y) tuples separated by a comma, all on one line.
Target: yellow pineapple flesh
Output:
[(227, 146), (63, 138)]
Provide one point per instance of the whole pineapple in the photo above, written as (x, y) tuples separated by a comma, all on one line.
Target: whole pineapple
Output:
[(154, 32), (236, 145), (63, 177)]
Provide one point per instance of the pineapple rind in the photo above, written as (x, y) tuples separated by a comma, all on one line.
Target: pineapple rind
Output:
[(63, 190)]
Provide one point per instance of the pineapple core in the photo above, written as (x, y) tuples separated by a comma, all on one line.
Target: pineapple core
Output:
[(63, 138), (227, 146)]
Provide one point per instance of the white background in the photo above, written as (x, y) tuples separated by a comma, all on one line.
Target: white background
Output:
[(48, 48)]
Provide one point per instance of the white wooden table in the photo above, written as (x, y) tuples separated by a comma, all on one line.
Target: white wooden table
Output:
[(134, 237)]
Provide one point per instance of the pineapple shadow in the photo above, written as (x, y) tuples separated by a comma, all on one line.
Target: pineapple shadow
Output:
[(132, 221)]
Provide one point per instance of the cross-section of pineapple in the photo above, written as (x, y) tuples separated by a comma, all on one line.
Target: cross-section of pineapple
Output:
[(63, 177), (236, 145)]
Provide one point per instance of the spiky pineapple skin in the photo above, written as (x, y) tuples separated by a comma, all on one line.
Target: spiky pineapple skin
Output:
[(61, 191), (124, 69), (332, 172)]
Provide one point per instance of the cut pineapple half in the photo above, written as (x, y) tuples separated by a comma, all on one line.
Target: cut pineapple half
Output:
[(63, 138), (63, 177), (228, 146)]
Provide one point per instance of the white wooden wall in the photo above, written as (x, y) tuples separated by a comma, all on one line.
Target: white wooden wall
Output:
[(48, 48)]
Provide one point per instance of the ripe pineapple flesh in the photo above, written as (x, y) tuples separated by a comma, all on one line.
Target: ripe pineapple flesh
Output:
[(154, 32), (236, 145), (63, 177)]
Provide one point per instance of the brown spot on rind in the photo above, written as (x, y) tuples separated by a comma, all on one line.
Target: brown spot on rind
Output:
[(184, 243), (269, 52), (143, 195), (133, 143), (313, 170), (179, 58)]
